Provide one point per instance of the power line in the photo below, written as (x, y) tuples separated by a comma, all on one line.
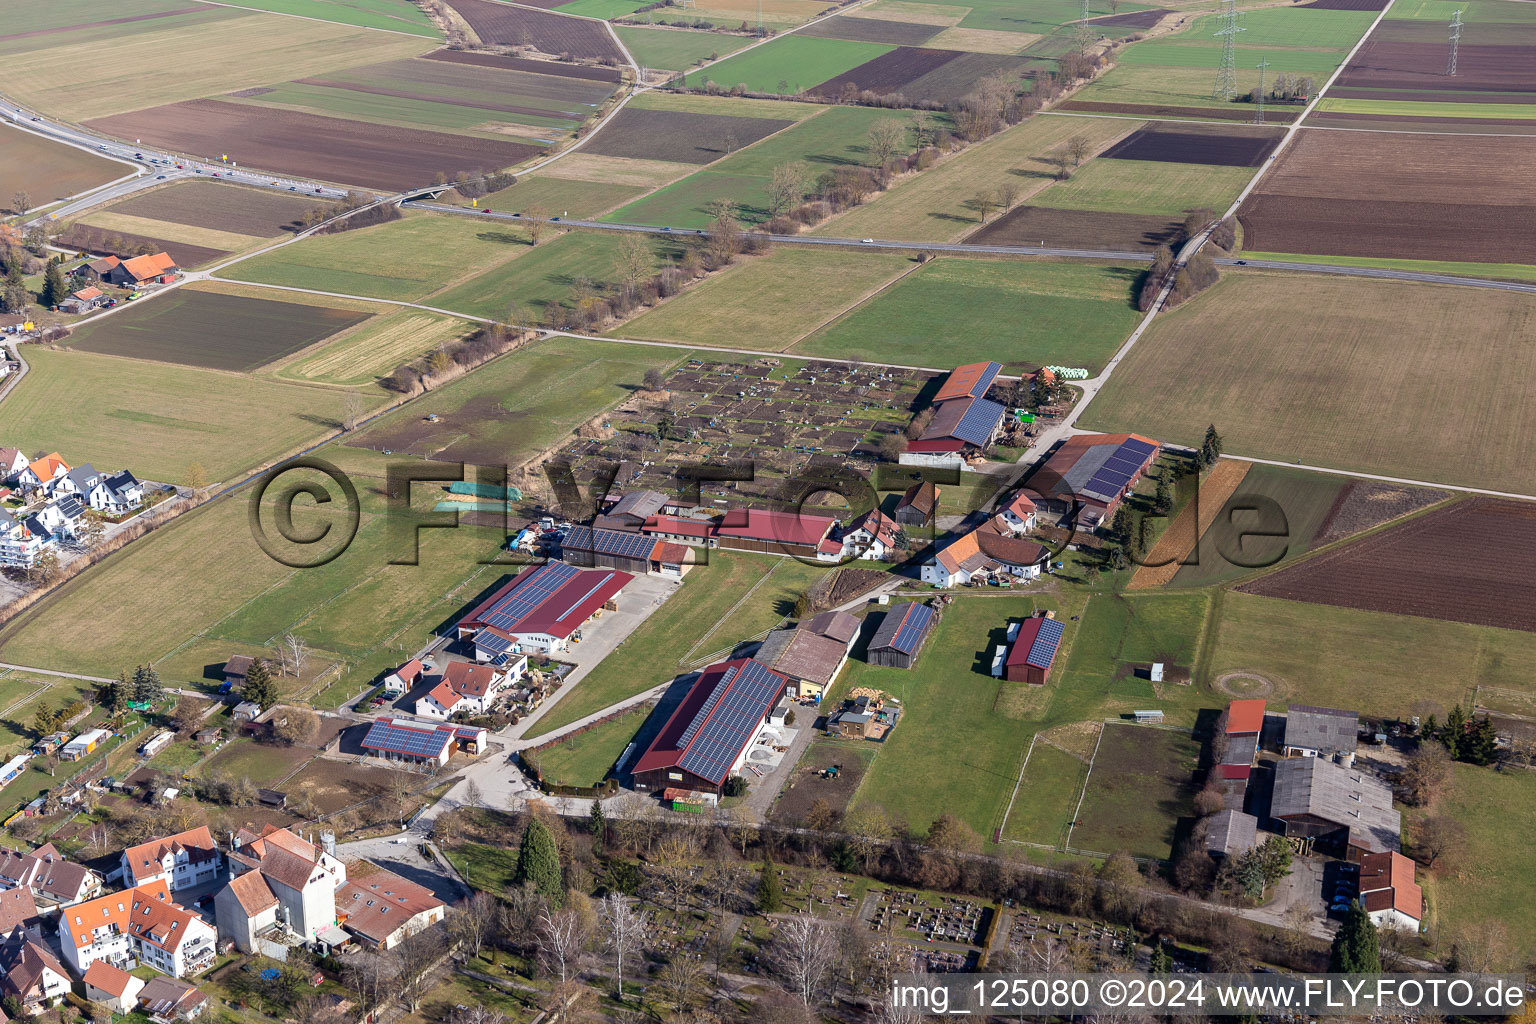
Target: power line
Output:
[(1258, 110), (1450, 59), (1226, 75)]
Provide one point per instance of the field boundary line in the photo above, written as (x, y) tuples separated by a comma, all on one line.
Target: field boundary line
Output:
[(730, 611), (344, 295), (1067, 843), (42, 688), (1017, 782), (1404, 131), (856, 303)]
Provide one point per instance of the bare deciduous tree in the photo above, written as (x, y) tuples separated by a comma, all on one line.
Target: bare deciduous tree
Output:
[(674, 865), (804, 954), (1007, 194), (886, 137), (786, 187), (623, 932), (560, 940), (636, 261), (680, 978), (1078, 147), (473, 923)]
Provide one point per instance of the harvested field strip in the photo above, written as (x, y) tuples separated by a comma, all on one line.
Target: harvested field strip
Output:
[(871, 30), (500, 24), (378, 90), (618, 170), (1152, 110), (675, 49), (1485, 550), (1366, 504), (219, 53), (540, 67), (980, 40), (729, 106), (1078, 229), (1183, 534), (407, 112), (1371, 347), (916, 11), (210, 204), (1495, 271), (208, 238), (571, 197), (956, 78), (1197, 145), (678, 137), (94, 240), (1125, 186), (371, 350), (1483, 112), (327, 148), (198, 9), (792, 64)]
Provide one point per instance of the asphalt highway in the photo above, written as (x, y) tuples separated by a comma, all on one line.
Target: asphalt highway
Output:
[(1009, 250)]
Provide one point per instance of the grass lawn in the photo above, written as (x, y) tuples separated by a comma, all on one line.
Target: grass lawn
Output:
[(1157, 85), (601, 8), (1358, 659), (1368, 356), (652, 652), (545, 275), (263, 763), (770, 302), (485, 866), (938, 205), (787, 579), (958, 310), (674, 49), (396, 15), (586, 759), (791, 64), (560, 197), (835, 137), (402, 260), (1134, 186), (1492, 885), (1046, 797), (1140, 785), (157, 419), (1425, 108)]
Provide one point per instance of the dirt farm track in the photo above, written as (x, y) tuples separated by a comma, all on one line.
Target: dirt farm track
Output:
[(1471, 562)]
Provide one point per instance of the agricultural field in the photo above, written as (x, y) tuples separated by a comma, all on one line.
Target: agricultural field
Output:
[(941, 203), (545, 276), (1047, 795), (47, 170), (499, 24), (371, 350), (776, 14), (1140, 787), (1483, 547), (1132, 187), (1367, 412), (1355, 658), (769, 302), (1080, 229), (159, 418), (1030, 313), (404, 260), (1172, 142), (1378, 194), (586, 758), (837, 136), (790, 65), (674, 136), (96, 71), (926, 75), (675, 49), (1172, 75), (564, 196), (197, 222), (873, 30), (393, 15), (217, 330), (335, 149)]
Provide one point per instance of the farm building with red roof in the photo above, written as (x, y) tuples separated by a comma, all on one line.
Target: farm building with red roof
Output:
[(707, 738), (780, 533), (963, 418), (1090, 475), (539, 610), (1033, 649), (1391, 897)]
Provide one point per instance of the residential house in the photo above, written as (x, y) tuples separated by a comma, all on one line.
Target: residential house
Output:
[(424, 743), (398, 682), (812, 654), (112, 986), (18, 915), (184, 860), (1320, 732), (1391, 897), (47, 875), (1342, 809), (1017, 515), (706, 738), (170, 999), (1091, 474), (1032, 649), (41, 472), (541, 609), (277, 879), (439, 703), (918, 504), (873, 535), (21, 541), (120, 493), (33, 975), (12, 462), (381, 909), (983, 555), (84, 300), (82, 480), (478, 687), (62, 516), (140, 924), (901, 634)]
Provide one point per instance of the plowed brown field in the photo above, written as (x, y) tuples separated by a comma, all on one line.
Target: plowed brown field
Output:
[(1181, 536), (505, 25), (309, 145), (538, 67), (674, 136), (888, 73), (1198, 144), (1471, 562), (1383, 64)]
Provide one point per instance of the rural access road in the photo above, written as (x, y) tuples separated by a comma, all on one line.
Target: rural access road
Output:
[(964, 248)]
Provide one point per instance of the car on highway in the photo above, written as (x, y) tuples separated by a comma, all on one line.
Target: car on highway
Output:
[(319, 190), (866, 241), (159, 177), (37, 119), (1242, 263)]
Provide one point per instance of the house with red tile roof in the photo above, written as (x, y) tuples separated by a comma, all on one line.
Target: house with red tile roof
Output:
[(279, 880), (983, 554), (872, 535), (403, 678), (381, 909), (32, 974), (181, 861), (84, 300), (142, 924), (1389, 893), (113, 986), (470, 687)]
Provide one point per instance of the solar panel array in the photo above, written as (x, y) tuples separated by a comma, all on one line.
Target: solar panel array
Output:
[(913, 626), (1046, 641), (493, 642), (741, 702), (610, 542), (984, 381), (1115, 475), (531, 593), (708, 706), (385, 735), (975, 427)]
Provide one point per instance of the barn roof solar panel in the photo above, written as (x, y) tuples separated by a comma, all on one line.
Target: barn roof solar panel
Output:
[(1043, 651), (393, 737), (494, 642), (532, 592), (904, 630), (976, 426), (620, 543), (968, 381)]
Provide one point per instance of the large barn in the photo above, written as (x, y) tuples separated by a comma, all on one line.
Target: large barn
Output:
[(1344, 810), (637, 553), (1033, 649), (963, 418), (901, 635), (707, 738), (1092, 474), (539, 610)]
